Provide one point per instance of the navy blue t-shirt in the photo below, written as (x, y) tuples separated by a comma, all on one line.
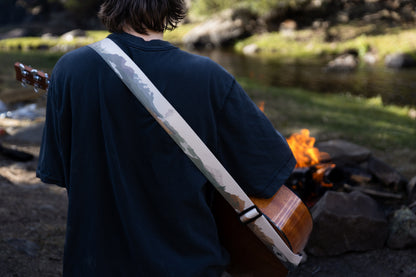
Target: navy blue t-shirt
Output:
[(137, 204)]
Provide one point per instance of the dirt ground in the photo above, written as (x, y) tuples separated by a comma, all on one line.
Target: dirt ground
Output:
[(378, 263), (32, 231), (32, 221)]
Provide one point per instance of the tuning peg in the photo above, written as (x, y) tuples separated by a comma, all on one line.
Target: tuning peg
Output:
[(47, 79), (24, 82), (23, 70)]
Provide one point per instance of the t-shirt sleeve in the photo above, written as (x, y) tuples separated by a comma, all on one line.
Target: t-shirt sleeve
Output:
[(251, 149), (50, 165)]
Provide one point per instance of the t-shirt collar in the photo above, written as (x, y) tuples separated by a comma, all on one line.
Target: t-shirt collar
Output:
[(139, 42)]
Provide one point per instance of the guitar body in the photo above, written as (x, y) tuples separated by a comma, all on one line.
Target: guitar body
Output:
[(249, 256)]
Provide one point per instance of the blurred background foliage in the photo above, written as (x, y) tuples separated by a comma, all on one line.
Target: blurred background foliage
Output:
[(18, 11), (208, 7)]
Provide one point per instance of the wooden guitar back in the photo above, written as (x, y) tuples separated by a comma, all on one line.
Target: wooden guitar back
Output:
[(249, 257)]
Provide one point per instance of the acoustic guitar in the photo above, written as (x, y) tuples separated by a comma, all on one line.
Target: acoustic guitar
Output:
[(288, 215), (285, 211)]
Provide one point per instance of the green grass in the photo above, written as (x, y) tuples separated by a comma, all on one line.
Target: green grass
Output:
[(332, 116), (38, 43), (301, 44), (56, 44), (176, 36), (97, 35), (309, 43), (387, 131)]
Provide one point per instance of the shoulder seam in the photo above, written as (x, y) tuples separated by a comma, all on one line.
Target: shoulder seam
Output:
[(227, 95)]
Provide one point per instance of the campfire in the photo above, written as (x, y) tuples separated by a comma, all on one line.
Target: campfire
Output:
[(358, 202), (348, 167), (317, 172), (314, 172)]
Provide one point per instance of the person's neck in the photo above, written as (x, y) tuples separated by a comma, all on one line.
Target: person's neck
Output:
[(151, 35)]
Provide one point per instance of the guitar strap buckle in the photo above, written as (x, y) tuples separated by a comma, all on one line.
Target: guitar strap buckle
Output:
[(250, 214)]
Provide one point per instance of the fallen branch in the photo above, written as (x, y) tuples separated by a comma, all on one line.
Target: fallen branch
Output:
[(373, 192), (412, 205)]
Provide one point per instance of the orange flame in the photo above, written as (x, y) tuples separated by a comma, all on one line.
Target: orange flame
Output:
[(261, 105), (302, 146)]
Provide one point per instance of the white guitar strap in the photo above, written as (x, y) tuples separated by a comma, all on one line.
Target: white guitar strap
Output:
[(193, 146)]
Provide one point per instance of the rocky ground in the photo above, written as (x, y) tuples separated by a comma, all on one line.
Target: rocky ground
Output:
[(32, 218), (32, 226), (381, 263)]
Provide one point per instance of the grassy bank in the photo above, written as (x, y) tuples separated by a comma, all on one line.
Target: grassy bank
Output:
[(54, 44), (328, 116), (60, 44), (388, 131), (306, 43), (310, 43)]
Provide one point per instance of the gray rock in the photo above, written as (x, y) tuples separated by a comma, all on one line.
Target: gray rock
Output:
[(288, 27), (69, 36), (346, 222), (25, 246), (31, 134), (15, 33), (221, 30), (370, 58), (251, 49), (399, 60), (343, 63), (402, 230), (341, 150), (385, 173)]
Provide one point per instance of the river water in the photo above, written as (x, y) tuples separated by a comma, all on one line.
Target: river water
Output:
[(394, 86)]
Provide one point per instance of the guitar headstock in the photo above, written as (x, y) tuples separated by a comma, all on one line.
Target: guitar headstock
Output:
[(30, 76)]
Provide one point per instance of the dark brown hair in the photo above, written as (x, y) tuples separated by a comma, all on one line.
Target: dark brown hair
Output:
[(142, 15)]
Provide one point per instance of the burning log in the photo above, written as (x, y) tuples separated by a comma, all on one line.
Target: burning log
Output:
[(300, 181), (310, 183), (313, 174)]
